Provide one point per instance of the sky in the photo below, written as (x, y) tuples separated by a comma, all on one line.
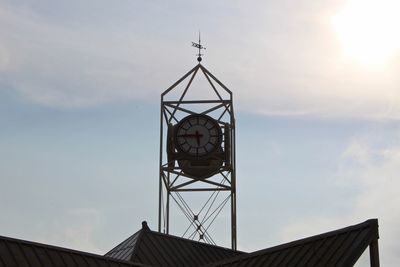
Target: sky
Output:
[(316, 95)]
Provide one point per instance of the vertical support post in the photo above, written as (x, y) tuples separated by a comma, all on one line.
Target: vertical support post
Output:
[(374, 253), (167, 209), (233, 178), (159, 205), (160, 170), (233, 220)]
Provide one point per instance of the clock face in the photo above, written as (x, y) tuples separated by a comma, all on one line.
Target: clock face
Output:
[(198, 135)]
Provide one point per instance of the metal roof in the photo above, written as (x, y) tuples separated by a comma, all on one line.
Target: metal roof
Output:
[(21, 253), (124, 250), (340, 248), (154, 248)]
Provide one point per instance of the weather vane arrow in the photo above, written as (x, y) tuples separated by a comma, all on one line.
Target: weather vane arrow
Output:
[(199, 46)]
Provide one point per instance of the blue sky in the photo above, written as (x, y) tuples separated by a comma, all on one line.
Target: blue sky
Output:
[(317, 107)]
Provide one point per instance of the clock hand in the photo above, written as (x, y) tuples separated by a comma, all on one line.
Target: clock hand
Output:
[(190, 135), (196, 135)]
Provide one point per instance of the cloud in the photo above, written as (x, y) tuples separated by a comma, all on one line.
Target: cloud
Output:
[(279, 60), (55, 64), (372, 168), (81, 233), (289, 62), (75, 229)]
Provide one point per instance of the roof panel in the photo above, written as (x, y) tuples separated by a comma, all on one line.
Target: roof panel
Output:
[(340, 248), (159, 249), (281, 256), (30, 254), (5, 255), (42, 255), (290, 254), (80, 261), (303, 255), (166, 250), (67, 258), (323, 248), (267, 261), (17, 254), (21, 253), (124, 250), (101, 263), (332, 251), (55, 258)]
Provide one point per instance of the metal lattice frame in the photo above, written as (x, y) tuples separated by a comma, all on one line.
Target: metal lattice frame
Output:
[(173, 180)]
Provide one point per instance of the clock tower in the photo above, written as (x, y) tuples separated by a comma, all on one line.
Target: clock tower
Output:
[(197, 155)]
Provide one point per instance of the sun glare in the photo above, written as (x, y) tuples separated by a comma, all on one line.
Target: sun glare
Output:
[(369, 29)]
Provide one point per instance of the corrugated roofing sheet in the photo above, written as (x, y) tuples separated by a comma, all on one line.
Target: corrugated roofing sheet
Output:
[(159, 249), (21, 253), (124, 250), (340, 248)]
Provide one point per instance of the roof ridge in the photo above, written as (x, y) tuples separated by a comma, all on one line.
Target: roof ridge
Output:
[(193, 241), (141, 233)]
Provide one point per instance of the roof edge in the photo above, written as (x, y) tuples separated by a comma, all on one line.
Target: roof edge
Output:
[(373, 223), (67, 250), (368, 223)]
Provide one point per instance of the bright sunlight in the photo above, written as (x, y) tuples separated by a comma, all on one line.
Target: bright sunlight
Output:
[(369, 30)]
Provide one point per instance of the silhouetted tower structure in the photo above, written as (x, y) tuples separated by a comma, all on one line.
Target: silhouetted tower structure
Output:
[(197, 153)]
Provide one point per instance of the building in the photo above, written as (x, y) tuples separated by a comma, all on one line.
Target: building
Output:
[(339, 248)]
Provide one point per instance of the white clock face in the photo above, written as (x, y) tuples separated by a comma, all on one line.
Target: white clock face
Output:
[(198, 135)]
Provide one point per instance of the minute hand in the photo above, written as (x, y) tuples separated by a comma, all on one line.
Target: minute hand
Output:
[(196, 135)]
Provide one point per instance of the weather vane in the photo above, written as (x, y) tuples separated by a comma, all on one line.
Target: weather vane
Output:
[(199, 46)]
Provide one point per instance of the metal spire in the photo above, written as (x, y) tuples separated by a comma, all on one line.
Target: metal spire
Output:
[(199, 46)]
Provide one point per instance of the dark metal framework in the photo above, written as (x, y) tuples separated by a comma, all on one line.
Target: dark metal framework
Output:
[(174, 184)]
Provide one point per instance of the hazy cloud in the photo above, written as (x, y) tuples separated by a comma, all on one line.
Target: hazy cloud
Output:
[(279, 58), (76, 229), (59, 65)]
